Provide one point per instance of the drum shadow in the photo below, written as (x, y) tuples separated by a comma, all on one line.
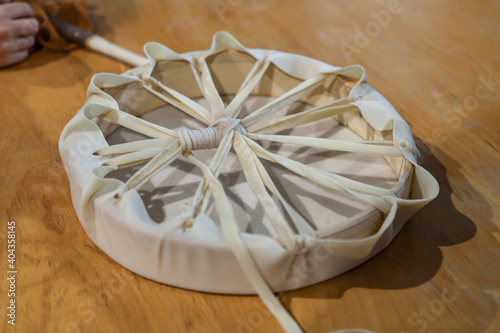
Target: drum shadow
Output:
[(414, 256)]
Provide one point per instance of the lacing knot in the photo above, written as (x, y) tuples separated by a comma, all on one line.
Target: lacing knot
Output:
[(210, 137)]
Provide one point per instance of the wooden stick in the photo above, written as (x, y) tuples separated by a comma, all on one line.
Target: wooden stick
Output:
[(97, 43)]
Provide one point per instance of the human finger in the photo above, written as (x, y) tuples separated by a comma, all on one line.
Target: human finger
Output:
[(12, 58), (23, 27), (15, 10), (22, 43), (17, 28), (13, 45)]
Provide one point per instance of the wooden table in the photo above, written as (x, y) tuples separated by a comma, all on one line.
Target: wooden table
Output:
[(432, 59)]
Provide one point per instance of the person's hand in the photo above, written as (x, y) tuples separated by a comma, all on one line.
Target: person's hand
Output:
[(17, 31)]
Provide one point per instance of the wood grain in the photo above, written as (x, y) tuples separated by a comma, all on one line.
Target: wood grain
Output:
[(441, 274)]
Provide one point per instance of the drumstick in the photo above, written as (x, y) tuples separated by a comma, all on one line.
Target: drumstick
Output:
[(97, 43)]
